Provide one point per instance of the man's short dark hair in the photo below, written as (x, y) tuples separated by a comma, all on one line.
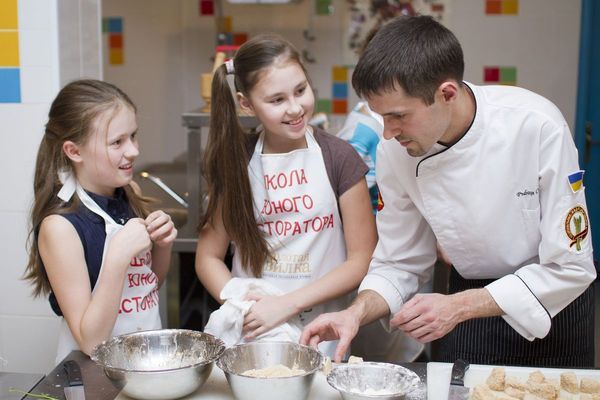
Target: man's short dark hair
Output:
[(416, 53)]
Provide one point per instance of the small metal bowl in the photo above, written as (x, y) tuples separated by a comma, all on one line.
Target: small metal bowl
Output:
[(162, 364), (258, 355), (372, 380)]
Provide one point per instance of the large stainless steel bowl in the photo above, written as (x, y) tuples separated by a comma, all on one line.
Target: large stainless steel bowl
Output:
[(371, 380), (158, 365), (258, 355)]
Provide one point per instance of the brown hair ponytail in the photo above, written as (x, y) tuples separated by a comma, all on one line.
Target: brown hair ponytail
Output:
[(226, 171), (71, 117)]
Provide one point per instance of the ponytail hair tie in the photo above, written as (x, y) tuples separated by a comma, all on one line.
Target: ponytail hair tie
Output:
[(229, 67)]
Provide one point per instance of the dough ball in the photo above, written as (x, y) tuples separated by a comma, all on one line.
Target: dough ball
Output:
[(589, 385), (568, 382), (496, 380)]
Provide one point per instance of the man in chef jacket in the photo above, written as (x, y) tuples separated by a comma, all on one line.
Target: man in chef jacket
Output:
[(491, 174)]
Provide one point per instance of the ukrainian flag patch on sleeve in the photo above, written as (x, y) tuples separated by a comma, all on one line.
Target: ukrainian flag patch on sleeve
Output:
[(576, 181)]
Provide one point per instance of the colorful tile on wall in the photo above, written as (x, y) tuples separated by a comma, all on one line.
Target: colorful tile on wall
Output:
[(10, 73), (323, 105), (506, 7), (500, 75), (339, 89), (323, 7), (10, 85), (207, 7), (113, 26), (8, 14)]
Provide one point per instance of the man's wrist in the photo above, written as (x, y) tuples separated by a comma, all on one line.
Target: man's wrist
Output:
[(475, 303)]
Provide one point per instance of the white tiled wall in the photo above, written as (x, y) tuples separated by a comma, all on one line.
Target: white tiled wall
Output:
[(28, 328)]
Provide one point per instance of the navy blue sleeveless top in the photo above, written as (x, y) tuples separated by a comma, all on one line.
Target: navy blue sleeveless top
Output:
[(90, 228)]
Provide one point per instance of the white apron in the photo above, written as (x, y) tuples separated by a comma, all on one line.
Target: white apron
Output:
[(296, 208), (139, 299)]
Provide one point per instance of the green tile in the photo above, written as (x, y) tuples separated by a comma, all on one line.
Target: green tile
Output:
[(323, 105), (508, 75), (104, 25), (324, 7)]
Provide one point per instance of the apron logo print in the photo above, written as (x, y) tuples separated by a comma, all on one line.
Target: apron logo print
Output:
[(576, 226), (379, 202)]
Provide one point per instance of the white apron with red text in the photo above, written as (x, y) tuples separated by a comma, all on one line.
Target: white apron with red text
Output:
[(296, 208), (139, 298)]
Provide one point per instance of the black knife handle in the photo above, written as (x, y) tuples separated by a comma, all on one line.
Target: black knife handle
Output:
[(73, 373), (458, 372)]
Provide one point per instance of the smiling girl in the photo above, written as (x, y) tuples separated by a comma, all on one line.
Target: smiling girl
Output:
[(292, 199), (94, 247)]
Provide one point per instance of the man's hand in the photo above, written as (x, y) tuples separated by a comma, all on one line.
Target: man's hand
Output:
[(342, 325), (427, 317)]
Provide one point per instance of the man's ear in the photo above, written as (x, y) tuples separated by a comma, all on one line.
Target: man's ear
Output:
[(245, 104), (449, 90), (72, 151)]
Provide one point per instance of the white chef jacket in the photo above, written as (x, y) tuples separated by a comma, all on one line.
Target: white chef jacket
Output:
[(498, 202)]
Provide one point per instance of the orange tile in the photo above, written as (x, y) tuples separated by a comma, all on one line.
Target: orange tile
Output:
[(9, 49), (115, 41), (225, 24), (339, 106), (339, 74), (8, 14), (115, 56), (493, 6), (510, 7)]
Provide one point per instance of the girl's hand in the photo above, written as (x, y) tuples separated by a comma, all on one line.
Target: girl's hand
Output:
[(160, 228), (130, 241), (267, 313)]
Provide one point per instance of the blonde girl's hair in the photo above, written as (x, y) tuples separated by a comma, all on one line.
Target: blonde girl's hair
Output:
[(71, 117), (226, 158)]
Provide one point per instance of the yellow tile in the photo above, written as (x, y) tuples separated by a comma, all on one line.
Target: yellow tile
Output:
[(339, 74), (510, 7), (115, 56), (9, 49), (225, 24), (8, 14)]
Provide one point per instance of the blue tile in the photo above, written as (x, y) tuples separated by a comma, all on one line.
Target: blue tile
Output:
[(10, 85), (115, 25), (340, 90)]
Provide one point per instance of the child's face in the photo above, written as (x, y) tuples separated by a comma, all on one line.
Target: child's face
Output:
[(108, 155), (283, 101)]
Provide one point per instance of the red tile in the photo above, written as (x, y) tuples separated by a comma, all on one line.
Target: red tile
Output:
[(493, 7), (239, 38), (207, 7), (491, 74), (339, 106), (115, 41)]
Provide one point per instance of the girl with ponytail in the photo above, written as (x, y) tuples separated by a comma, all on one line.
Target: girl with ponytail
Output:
[(93, 245), (292, 199)]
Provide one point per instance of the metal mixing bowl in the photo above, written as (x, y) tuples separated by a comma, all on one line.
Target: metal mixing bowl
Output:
[(372, 380), (158, 365), (258, 355)]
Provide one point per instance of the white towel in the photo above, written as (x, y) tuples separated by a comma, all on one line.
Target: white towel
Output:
[(226, 323)]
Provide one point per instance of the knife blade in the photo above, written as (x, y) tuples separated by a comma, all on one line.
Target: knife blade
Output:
[(74, 390), (457, 389)]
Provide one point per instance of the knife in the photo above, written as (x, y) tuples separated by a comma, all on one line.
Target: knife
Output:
[(457, 390), (74, 390)]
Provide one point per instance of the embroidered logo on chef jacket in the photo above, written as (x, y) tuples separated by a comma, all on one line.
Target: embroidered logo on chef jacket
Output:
[(576, 181), (379, 202), (576, 226)]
